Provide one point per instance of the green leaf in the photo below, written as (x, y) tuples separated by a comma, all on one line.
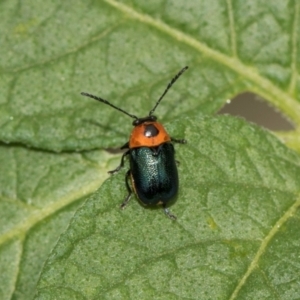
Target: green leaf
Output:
[(230, 46), (39, 194), (237, 212)]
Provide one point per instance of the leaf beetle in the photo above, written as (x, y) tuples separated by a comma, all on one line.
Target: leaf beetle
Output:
[(153, 170)]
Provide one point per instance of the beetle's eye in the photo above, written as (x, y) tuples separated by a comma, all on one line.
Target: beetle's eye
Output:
[(150, 131)]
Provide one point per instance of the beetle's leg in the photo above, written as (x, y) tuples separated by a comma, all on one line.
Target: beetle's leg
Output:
[(168, 213), (126, 200), (179, 141), (121, 164), (125, 146)]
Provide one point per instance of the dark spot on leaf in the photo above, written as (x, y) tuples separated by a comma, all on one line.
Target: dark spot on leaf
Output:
[(257, 110)]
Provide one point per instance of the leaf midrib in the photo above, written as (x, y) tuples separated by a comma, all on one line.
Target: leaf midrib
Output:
[(279, 98), (283, 100)]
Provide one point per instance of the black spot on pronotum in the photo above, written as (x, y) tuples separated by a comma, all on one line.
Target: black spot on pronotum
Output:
[(150, 131)]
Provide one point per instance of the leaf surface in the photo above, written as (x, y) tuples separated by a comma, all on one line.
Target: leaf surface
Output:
[(237, 210), (236, 235)]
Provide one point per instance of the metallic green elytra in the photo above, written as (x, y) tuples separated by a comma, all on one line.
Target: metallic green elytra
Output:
[(153, 171)]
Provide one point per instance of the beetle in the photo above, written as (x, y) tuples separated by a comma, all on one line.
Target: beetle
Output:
[(153, 171)]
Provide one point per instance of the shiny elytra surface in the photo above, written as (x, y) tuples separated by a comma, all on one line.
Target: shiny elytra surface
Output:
[(154, 173)]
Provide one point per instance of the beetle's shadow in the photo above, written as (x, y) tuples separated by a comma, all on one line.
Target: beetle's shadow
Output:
[(158, 207)]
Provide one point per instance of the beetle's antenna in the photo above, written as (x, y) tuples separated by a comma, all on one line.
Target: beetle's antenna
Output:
[(168, 87), (108, 103)]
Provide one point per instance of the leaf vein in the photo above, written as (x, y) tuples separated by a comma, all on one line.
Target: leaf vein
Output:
[(39, 215), (281, 99), (254, 264), (232, 28), (295, 32)]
